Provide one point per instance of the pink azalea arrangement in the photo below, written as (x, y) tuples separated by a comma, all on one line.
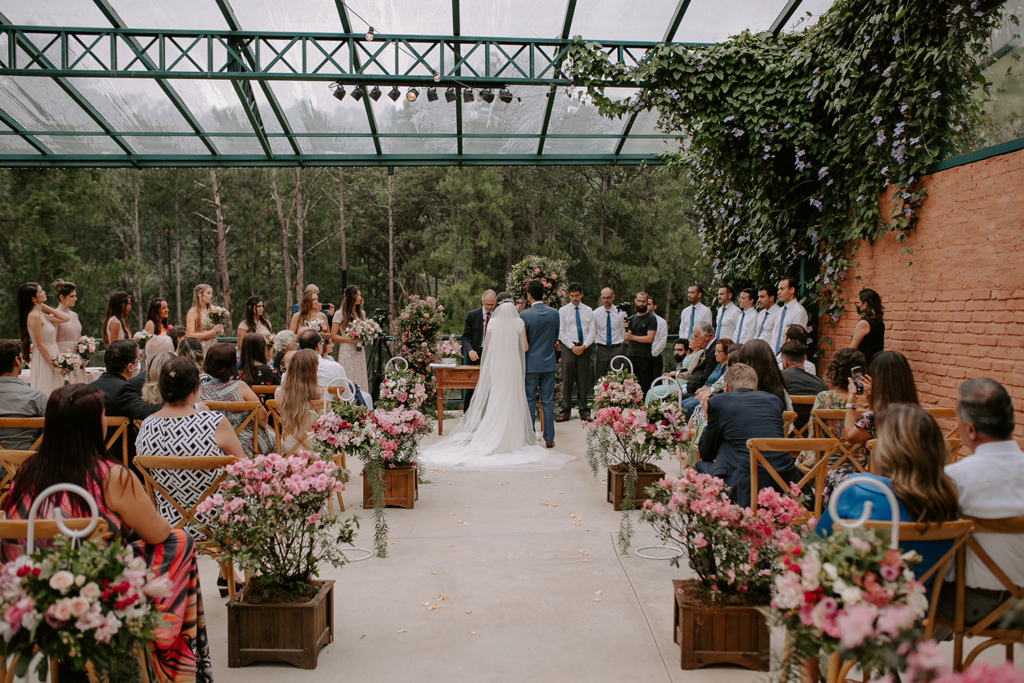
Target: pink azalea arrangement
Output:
[(343, 428), (926, 663), (397, 433), (550, 272), (218, 314), (618, 388), (85, 347), (415, 331), (87, 604), (734, 550), (402, 389), (268, 518), (640, 435), (449, 348)]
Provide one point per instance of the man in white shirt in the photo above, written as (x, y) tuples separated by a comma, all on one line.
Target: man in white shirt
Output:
[(728, 314), (576, 334), (746, 326), (792, 313), (328, 370), (990, 485), (660, 341), (608, 331), (693, 314), (769, 311)]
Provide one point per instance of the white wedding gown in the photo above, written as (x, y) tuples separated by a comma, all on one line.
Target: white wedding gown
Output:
[(497, 430)]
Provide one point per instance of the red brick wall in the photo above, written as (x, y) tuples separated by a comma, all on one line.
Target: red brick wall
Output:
[(958, 311)]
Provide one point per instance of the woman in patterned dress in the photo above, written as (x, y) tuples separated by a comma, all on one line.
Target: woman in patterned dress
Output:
[(217, 385), (37, 323), (70, 332), (73, 452), (197, 320), (253, 320), (350, 349), (115, 321)]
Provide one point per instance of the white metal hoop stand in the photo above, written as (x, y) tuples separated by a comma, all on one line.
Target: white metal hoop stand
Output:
[(661, 554), (348, 384), (405, 363), (75, 536), (612, 364), (671, 381), (354, 549), (865, 515)]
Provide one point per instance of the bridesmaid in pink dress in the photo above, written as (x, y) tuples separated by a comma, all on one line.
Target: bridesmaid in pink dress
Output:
[(70, 332), (36, 321), (115, 320)]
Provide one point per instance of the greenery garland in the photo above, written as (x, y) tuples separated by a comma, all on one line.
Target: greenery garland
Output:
[(793, 138)]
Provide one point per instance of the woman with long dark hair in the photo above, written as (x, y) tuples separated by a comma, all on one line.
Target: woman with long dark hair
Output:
[(889, 380), (253, 369), (350, 349), (758, 355), (869, 333), (73, 452), (157, 317), (115, 320), (309, 310), (37, 323), (70, 332), (253, 320)]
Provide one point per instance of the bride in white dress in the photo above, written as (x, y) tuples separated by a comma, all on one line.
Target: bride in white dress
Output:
[(497, 430)]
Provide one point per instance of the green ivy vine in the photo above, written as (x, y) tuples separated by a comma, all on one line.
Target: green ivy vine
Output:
[(791, 139)]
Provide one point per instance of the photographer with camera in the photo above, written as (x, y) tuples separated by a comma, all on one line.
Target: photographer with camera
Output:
[(608, 320), (640, 330), (890, 381)]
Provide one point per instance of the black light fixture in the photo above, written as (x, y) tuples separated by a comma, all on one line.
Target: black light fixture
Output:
[(520, 99), (394, 93), (375, 94), (505, 96), (339, 90), (412, 94), (486, 95), (358, 92), (431, 94), (369, 33), (437, 76), (449, 94), (467, 95)]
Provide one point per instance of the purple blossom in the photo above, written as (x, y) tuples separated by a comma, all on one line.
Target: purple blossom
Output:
[(822, 172), (888, 70), (956, 10), (728, 118), (737, 132), (874, 68), (904, 108), (936, 94), (876, 120), (896, 39), (914, 141)]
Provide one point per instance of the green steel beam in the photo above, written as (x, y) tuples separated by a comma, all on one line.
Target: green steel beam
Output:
[(346, 25), (625, 133), (27, 137), (114, 18), (677, 18), (784, 16), (162, 134), (570, 10), (457, 30)]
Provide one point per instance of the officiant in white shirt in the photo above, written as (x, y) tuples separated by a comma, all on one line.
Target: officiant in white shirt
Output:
[(693, 315), (577, 335), (609, 333)]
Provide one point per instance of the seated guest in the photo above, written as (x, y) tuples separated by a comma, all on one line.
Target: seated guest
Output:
[(681, 372), (700, 342), (120, 397), (73, 452), (177, 334), (758, 355), (284, 341), (254, 370), (799, 382), (991, 486), (295, 396), (742, 413), (908, 459), (721, 356), (218, 385), (17, 399), (890, 380), (191, 348), (797, 333), (161, 344), (151, 389), (328, 370)]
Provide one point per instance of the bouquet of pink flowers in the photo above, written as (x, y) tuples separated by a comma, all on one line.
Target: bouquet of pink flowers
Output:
[(449, 348), (397, 434), (317, 324), (218, 314), (343, 428), (268, 518), (68, 363), (414, 331), (639, 435), (87, 604), (365, 329), (402, 389), (85, 347), (618, 388), (142, 338)]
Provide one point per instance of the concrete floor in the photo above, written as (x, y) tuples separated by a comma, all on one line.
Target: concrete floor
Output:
[(529, 594)]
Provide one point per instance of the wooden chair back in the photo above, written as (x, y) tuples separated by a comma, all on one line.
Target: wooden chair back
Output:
[(46, 529), (147, 463), (821, 447), (10, 461), (946, 414), (24, 423), (952, 446), (260, 389), (252, 410), (120, 427), (805, 431), (280, 430), (788, 418), (845, 451)]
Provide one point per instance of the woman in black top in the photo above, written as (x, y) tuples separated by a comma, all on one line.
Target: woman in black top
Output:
[(254, 370), (869, 334)]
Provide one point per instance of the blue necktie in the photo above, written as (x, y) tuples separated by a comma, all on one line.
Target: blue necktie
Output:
[(693, 315), (739, 332), (782, 320), (761, 331), (579, 326), (608, 320), (718, 330)]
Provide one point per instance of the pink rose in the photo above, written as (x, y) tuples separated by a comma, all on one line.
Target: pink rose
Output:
[(78, 606), (62, 580), (536, 271), (62, 610)]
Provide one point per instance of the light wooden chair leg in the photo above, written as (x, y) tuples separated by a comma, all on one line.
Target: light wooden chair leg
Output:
[(227, 570)]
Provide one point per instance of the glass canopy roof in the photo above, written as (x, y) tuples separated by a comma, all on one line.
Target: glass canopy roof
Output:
[(257, 82)]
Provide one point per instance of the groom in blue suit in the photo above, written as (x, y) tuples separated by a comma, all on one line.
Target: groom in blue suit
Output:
[(542, 326)]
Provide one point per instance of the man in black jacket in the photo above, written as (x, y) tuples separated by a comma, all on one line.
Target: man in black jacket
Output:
[(120, 398), (739, 414), (799, 382), (473, 336), (703, 333)]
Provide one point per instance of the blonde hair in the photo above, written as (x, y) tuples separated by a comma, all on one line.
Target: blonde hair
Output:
[(299, 388), (306, 310), (151, 389), (197, 299)]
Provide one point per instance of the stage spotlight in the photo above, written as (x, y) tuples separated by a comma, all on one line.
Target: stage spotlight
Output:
[(486, 95), (358, 92), (394, 93), (467, 95), (437, 77), (375, 93), (369, 33), (520, 100), (449, 95), (431, 94), (339, 91), (505, 96), (412, 94)]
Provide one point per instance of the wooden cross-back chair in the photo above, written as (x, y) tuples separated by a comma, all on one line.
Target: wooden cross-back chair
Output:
[(788, 418), (304, 441), (958, 533), (147, 463), (24, 423), (844, 451), (252, 410), (10, 461), (946, 414), (264, 389), (822, 449), (119, 425), (987, 627), (805, 431)]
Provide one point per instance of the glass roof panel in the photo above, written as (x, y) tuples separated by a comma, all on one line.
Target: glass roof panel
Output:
[(310, 107), (54, 13), (80, 144), (712, 21), (281, 146), (499, 117), (422, 17), (572, 116), (645, 125), (580, 145), (800, 21), (214, 105), (14, 144), (40, 104), (303, 16), (419, 146), (500, 145), (137, 105), (237, 145), (270, 122), (337, 145), (167, 144), (420, 116), (513, 18), (617, 20), (197, 15)]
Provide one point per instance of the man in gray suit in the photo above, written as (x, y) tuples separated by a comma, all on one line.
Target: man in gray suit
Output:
[(542, 325)]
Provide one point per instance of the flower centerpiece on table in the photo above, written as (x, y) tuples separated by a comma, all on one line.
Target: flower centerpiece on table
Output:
[(414, 331), (218, 315), (401, 389), (142, 338), (449, 348), (366, 329), (85, 347), (68, 364), (80, 605), (268, 519)]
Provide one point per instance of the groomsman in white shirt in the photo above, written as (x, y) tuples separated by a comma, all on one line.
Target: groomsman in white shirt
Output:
[(694, 314), (766, 317), (576, 333), (608, 332), (728, 314), (792, 313), (747, 324), (660, 341)]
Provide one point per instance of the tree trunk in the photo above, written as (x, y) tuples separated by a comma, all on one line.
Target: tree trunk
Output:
[(283, 222), (222, 251), (300, 237), (137, 238), (160, 263), (177, 253), (668, 299), (341, 228), (391, 247)]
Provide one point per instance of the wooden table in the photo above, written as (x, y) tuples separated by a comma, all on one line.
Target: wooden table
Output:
[(452, 377)]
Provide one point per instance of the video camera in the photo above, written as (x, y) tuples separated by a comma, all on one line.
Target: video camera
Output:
[(380, 316), (623, 307)]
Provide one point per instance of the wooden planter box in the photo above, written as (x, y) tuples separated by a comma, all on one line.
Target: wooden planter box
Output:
[(616, 482), (401, 489), (292, 633), (718, 635)]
